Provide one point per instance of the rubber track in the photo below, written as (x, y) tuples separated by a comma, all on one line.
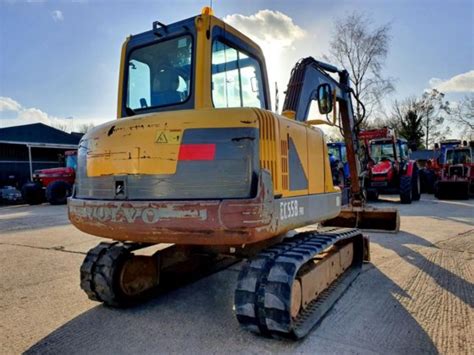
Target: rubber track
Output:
[(98, 271), (263, 293)]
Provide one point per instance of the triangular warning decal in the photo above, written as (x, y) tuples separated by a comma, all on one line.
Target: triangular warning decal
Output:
[(162, 138)]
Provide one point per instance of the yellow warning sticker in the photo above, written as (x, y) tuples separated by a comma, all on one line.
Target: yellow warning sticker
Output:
[(172, 136)]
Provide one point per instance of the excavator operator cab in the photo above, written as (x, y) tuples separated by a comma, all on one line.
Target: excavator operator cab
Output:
[(196, 63)]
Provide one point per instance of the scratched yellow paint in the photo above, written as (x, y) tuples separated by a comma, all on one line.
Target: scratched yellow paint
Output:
[(133, 145)]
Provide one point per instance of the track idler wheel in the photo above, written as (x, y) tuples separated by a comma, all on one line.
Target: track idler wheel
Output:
[(111, 274)]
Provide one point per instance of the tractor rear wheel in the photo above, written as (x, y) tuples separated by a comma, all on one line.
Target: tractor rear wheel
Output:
[(32, 193), (427, 179), (416, 188), (372, 195), (437, 191), (406, 189), (57, 192)]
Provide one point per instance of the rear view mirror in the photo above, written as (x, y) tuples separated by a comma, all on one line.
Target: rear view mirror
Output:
[(324, 99)]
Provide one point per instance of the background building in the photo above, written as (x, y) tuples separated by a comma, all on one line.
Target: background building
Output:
[(26, 148)]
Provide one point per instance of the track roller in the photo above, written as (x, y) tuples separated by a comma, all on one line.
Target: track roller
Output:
[(287, 289)]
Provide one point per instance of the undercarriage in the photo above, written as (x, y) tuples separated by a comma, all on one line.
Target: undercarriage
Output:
[(283, 290)]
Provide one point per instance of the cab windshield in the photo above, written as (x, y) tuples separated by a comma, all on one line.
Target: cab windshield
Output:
[(160, 74), (381, 150), (458, 156), (71, 161)]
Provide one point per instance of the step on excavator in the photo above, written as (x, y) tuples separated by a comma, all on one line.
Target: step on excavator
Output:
[(197, 168)]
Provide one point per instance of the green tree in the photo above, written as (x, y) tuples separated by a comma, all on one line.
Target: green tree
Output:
[(411, 128), (407, 120)]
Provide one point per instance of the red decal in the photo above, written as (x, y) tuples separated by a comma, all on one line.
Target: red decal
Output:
[(197, 152)]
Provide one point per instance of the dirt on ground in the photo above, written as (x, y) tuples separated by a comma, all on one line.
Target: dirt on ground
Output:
[(416, 296)]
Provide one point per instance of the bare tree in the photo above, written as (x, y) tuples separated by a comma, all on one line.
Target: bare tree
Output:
[(83, 128), (361, 50), (61, 126), (463, 114), (434, 109), (333, 134)]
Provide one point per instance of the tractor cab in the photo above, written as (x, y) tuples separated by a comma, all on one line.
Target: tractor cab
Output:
[(394, 150), (458, 163), (338, 161), (456, 179), (387, 153), (71, 159), (459, 156), (389, 169), (443, 147)]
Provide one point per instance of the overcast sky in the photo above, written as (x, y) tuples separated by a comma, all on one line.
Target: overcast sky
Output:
[(60, 59)]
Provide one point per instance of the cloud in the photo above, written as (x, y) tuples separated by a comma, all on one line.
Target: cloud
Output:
[(458, 83), (267, 26), (57, 15), (12, 113), (278, 36), (8, 104)]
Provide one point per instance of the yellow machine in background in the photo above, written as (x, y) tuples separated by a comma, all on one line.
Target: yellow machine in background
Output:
[(197, 159)]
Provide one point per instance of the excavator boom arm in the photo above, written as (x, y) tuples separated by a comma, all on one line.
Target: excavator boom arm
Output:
[(307, 75)]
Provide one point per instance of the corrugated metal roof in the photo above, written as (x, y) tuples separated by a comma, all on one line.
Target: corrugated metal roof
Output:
[(37, 133)]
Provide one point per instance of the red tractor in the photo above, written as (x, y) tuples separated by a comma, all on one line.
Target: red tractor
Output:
[(456, 180), (431, 172), (53, 185), (389, 170)]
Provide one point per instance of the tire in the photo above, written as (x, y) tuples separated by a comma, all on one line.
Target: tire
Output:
[(428, 179), (437, 191), (100, 271), (406, 189), (416, 185), (57, 192), (423, 180), (101, 274), (32, 193), (372, 195)]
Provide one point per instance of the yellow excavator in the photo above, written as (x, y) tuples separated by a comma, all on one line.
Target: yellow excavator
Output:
[(197, 166)]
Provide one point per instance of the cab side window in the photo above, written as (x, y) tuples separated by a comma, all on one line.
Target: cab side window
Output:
[(344, 154), (404, 151), (397, 150), (236, 78)]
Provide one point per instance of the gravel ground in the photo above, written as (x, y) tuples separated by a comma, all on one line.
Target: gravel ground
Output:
[(416, 296)]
